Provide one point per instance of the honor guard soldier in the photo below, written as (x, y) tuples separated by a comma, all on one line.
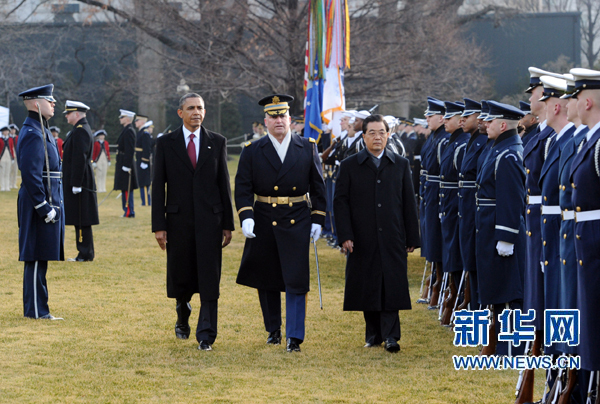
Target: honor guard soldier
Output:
[(280, 169), (40, 204), (55, 130), (585, 183), (81, 205), (533, 158), (450, 162), (101, 159), (12, 146), (359, 117), (421, 132), (500, 226), (467, 176), (431, 158), (6, 159), (529, 123), (143, 150), (125, 172)]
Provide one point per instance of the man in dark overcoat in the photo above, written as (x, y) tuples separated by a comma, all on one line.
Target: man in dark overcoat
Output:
[(81, 205), (377, 223), (125, 172), (143, 150), (280, 169), (192, 216), (40, 204)]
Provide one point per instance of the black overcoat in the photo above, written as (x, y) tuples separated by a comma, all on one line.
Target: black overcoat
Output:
[(194, 207), (376, 208), (80, 209), (125, 152), (143, 149)]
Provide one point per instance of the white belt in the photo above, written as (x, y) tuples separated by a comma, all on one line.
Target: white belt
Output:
[(432, 178), (534, 199), (587, 216), (450, 185), (417, 157), (53, 174), (423, 172), (568, 215), (551, 210), (467, 184)]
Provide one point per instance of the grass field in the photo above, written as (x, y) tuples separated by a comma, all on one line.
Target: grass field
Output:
[(117, 343)]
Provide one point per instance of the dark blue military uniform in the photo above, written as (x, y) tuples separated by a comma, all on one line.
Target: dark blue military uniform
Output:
[(39, 242), (143, 149), (533, 156), (422, 186)]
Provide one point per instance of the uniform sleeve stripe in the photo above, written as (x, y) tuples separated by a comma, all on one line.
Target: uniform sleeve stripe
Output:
[(243, 209), (318, 212), (516, 231), (40, 205)]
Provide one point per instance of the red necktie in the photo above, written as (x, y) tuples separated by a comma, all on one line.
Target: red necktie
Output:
[(191, 150)]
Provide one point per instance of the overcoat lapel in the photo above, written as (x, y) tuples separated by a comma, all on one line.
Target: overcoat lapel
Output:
[(291, 157), (206, 146), (270, 153), (178, 146)]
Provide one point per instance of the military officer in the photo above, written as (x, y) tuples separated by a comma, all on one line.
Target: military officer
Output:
[(81, 205), (280, 169), (101, 159), (55, 130), (40, 203), (529, 123), (500, 226), (359, 117), (6, 159), (125, 172), (143, 150), (12, 144)]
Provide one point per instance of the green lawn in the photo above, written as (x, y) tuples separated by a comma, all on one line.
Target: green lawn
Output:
[(117, 343)]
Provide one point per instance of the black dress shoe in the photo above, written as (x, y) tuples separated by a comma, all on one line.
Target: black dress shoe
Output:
[(77, 259), (274, 337), (293, 345), (182, 326), (392, 346), (204, 346), (182, 331)]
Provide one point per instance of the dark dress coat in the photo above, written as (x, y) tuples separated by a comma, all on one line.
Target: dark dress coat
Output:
[(529, 133), (585, 178), (277, 258), (499, 217), (38, 240), (125, 153), (376, 209), (533, 158), (143, 149), (80, 209), (452, 158), (422, 186), (194, 207)]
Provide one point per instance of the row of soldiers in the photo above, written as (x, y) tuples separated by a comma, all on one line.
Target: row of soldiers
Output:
[(8, 157), (510, 207)]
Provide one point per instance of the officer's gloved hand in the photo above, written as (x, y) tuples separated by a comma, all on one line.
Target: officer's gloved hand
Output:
[(76, 190), (109, 163), (126, 169), (50, 216), (143, 166), (505, 249), (542, 266), (94, 165), (248, 228), (315, 231)]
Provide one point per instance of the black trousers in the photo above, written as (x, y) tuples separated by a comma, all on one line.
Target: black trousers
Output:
[(85, 244), (206, 330), (381, 326)]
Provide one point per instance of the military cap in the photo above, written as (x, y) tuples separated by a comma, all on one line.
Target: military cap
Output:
[(391, 120), (452, 109), (419, 121), (54, 129), (525, 107), (298, 119), (499, 110), (13, 126), (2, 129), (553, 87), (100, 132), (570, 91), (362, 114), (485, 109), (44, 92), (349, 113), (534, 77), (585, 79), (435, 107), (138, 116), (471, 107), (124, 112), (71, 106), (148, 124), (276, 104)]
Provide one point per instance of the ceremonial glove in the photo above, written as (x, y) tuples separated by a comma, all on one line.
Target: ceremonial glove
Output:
[(12, 162), (50, 216), (505, 249), (248, 228), (315, 231), (126, 169), (542, 265), (109, 163), (143, 166), (76, 190), (94, 165)]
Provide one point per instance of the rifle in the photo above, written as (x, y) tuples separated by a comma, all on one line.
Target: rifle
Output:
[(565, 394), (524, 393), (423, 298), (435, 289), (451, 301), (318, 274), (445, 291), (466, 294), (490, 349)]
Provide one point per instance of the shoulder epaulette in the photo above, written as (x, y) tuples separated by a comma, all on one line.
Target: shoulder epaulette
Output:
[(312, 140), (80, 126), (248, 143)]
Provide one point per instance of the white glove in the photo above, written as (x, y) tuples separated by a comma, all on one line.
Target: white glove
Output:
[(315, 231), (505, 249), (50, 216), (12, 162), (126, 169), (109, 163), (94, 165), (76, 190), (440, 216), (248, 228), (143, 166), (542, 265)]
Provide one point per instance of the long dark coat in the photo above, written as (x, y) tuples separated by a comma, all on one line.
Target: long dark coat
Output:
[(39, 240), (194, 207), (125, 153), (277, 258), (80, 209), (143, 149), (376, 208)]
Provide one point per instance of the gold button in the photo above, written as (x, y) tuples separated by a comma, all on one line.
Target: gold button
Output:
[(578, 237), (292, 221), (545, 262), (274, 223), (578, 209), (573, 184), (528, 191), (544, 242), (276, 188), (544, 221), (529, 234), (291, 204), (528, 171), (564, 187), (565, 236), (564, 262), (545, 199), (294, 188), (274, 205), (581, 262), (528, 211)]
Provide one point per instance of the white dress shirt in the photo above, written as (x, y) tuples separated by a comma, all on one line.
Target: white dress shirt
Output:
[(186, 136)]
